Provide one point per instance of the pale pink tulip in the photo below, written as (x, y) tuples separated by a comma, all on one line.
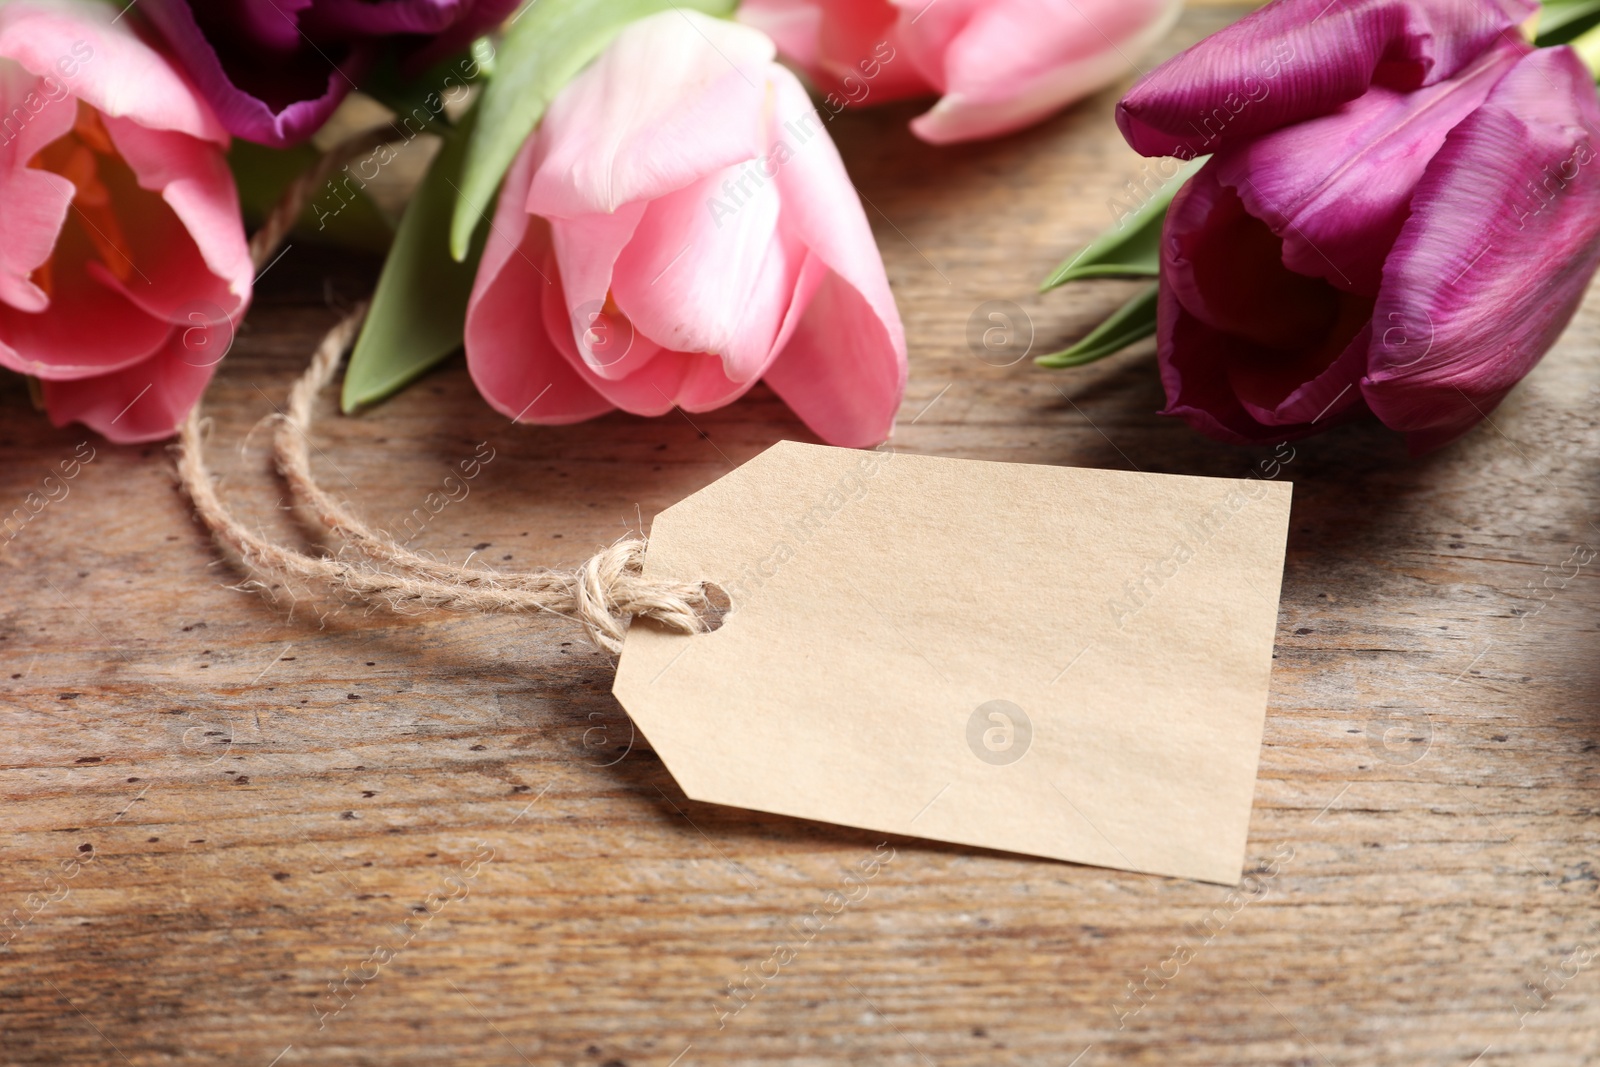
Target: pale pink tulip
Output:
[(123, 263), (997, 65), (679, 228)]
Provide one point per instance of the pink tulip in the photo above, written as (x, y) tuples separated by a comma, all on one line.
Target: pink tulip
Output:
[(997, 65), (679, 228), (123, 263), (1400, 215)]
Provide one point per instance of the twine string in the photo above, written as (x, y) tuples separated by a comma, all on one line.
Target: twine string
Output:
[(602, 594), (292, 203)]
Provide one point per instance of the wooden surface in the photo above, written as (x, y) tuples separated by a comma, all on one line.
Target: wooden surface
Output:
[(249, 802)]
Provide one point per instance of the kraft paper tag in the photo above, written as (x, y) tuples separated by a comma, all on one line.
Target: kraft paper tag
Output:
[(1064, 663)]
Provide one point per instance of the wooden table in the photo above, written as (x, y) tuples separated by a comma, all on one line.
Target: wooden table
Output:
[(216, 809)]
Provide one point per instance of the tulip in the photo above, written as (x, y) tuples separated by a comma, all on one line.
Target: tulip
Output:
[(274, 70), (679, 228), (1399, 215), (997, 65), (123, 263)]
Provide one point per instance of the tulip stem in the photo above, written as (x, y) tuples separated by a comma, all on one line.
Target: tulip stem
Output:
[(1587, 45)]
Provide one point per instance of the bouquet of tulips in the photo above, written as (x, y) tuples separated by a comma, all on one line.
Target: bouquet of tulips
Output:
[(1374, 206), (635, 205)]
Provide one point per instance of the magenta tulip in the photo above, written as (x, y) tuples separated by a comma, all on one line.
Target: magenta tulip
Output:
[(997, 65), (679, 228), (1399, 217), (274, 70), (123, 263)]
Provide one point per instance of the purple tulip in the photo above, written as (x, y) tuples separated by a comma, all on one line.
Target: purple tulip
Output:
[(274, 70), (1400, 216)]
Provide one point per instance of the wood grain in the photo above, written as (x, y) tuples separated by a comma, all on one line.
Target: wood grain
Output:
[(250, 800)]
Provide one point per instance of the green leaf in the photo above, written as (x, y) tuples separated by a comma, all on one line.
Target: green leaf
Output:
[(1135, 321), (420, 307), (1562, 20), (346, 220), (544, 49), (1133, 248)]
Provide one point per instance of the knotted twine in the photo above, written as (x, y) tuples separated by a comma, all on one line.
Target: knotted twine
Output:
[(603, 594)]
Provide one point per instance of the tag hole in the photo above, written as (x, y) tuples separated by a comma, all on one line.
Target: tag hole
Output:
[(718, 605)]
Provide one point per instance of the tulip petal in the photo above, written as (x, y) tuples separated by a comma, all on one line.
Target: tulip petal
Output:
[(193, 248), (363, 18), (509, 353), (677, 96), (80, 43), (1304, 388), (1191, 354), (1226, 267), (274, 24), (706, 386), (661, 379), (34, 111), (1249, 349), (795, 26), (1204, 372), (833, 373), (853, 50), (37, 205), (268, 97), (927, 27), (650, 390), (1297, 59), (844, 369), (89, 328), (451, 23), (850, 33), (700, 276), (1054, 57), (143, 402), (586, 250), (1503, 239), (1336, 189), (37, 201)]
